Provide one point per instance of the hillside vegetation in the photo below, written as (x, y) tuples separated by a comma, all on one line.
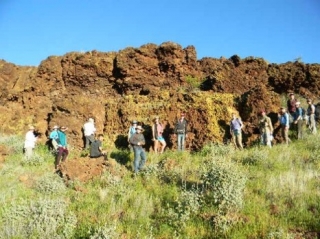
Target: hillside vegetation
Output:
[(213, 193)]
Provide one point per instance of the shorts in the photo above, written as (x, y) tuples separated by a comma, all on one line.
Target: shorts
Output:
[(237, 132), (160, 138)]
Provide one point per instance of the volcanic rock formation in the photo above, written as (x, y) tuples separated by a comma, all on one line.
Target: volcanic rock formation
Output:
[(141, 83)]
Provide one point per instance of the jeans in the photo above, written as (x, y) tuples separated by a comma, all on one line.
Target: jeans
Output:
[(62, 153), (139, 158), (266, 139), (181, 141), (312, 124)]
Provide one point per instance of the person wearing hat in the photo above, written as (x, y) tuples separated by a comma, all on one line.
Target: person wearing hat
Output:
[(180, 130), (62, 146), (284, 124), (157, 137), (311, 116), (137, 140), (236, 126), (89, 131), (54, 137), (30, 142), (265, 128), (298, 120), (132, 131)]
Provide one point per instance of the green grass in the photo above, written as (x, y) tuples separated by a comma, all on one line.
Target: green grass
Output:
[(215, 193)]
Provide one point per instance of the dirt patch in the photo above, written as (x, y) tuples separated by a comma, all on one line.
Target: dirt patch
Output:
[(85, 169), (300, 234)]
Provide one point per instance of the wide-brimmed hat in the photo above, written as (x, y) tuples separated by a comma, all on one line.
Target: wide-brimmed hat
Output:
[(31, 127), (134, 122), (64, 128), (298, 103), (56, 127), (139, 127)]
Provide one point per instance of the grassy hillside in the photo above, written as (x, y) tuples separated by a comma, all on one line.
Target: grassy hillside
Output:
[(215, 193)]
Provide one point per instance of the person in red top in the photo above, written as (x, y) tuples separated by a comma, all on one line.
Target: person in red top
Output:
[(291, 109), (291, 104)]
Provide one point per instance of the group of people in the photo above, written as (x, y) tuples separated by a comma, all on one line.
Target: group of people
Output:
[(136, 140), (293, 116), (59, 144)]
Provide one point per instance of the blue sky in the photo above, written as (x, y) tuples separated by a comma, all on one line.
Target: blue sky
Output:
[(276, 30)]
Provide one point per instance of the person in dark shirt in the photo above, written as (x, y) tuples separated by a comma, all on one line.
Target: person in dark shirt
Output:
[(137, 140), (180, 130), (96, 148)]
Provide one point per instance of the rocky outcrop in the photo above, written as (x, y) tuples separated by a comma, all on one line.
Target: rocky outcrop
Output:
[(141, 83)]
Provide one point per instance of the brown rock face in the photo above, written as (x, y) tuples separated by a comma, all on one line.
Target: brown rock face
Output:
[(141, 83)]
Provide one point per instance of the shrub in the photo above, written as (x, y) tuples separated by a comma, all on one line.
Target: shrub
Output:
[(223, 222), (225, 183), (169, 171), (212, 149), (314, 156), (255, 157), (311, 143), (15, 143), (187, 205), (109, 179), (279, 234), (151, 170), (193, 83), (104, 232), (43, 218), (34, 160), (50, 184)]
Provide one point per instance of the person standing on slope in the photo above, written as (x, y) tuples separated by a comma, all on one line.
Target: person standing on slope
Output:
[(180, 130), (89, 131), (265, 128), (236, 126)]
